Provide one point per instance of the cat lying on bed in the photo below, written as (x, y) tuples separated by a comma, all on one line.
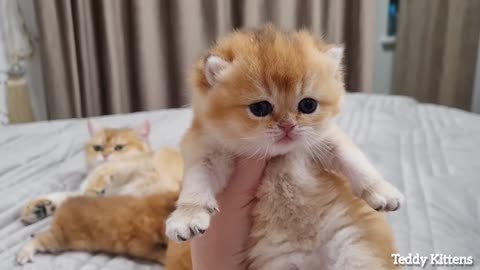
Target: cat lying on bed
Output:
[(121, 225), (276, 94), (119, 161)]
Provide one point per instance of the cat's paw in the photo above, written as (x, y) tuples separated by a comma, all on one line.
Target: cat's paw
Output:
[(98, 184), (95, 192), (188, 221), (26, 254), (382, 196), (37, 210)]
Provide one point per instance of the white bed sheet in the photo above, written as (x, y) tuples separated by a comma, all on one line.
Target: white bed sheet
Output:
[(430, 152)]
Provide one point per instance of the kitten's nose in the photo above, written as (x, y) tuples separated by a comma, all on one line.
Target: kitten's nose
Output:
[(105, 156), (286, 126)]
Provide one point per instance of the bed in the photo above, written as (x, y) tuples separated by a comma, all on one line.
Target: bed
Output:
[(430, 152)]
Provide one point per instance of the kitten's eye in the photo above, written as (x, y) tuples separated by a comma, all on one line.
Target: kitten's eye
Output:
[(261, 109), (119, 147), (307, 105), (98, 148)]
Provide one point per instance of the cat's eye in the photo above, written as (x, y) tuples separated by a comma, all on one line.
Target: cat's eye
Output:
[(307, 105), (119, 147), (98, 148), (261, 109)]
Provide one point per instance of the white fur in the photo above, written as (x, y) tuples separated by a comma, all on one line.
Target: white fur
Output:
[(365, 179), (331, 248), (143, 130), (93, 127), (328, 147), (336, 54), (326, 247), (27, 253), (59, 197), (128, 179), (215, 67), (202, 181)]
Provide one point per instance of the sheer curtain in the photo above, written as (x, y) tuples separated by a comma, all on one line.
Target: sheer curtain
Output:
[(436, 51)]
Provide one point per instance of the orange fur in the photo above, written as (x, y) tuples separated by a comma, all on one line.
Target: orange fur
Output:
[(115, 224), (281, 65), (296, 217), (178, 256), (123, 225), (304, 210), (133, 169), (107, 138)]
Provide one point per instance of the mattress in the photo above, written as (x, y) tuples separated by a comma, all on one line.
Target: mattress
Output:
[(431, 153)]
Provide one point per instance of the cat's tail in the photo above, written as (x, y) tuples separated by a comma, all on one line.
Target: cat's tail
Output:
[(46, 241)]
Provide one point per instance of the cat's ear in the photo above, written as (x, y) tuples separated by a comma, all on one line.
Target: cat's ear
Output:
[(93, 127), (215, 68), (143, 130), (335, 53)]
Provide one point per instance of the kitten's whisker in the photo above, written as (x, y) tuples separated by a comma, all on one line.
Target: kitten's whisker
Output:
[(318, 151), (256, 151), (314, 155), (266, 150)]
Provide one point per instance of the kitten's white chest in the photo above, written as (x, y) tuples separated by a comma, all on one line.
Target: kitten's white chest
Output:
[(285, 221)]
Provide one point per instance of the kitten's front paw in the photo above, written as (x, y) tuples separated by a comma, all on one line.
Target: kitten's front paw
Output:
[(25, 255), (382, 196), (98, 186), (37, 210), (188, 221), (95, 192)]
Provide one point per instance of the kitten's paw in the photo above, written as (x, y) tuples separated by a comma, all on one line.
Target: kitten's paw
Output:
[(98, 186), (188, 221), (382, 196), (37, 210), (25, 255), (95, 192)]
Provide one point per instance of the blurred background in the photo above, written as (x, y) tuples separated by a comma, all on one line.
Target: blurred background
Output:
[(79, 58)]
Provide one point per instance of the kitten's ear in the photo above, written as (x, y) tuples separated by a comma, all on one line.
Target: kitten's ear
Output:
[(143, 129), (93, 127), (336, 54), (215, 67)]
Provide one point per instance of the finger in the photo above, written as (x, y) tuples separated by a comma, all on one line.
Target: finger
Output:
[(247, 174)]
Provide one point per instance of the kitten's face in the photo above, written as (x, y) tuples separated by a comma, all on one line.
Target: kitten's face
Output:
[(110, 144), (269, 92)]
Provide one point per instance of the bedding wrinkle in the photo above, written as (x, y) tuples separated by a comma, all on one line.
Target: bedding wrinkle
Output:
[(429, 152)]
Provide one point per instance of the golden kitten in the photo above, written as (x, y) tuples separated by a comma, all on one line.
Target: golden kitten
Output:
[(136, 229), (123, 225), (276, 94), (110, 144), (119, 161)]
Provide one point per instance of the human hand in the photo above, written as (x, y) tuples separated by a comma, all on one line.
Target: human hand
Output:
[(223, 244)]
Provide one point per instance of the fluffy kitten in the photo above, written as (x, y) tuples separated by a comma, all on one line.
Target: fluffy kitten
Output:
[(276, 94), (119, 161), (124, 225)]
